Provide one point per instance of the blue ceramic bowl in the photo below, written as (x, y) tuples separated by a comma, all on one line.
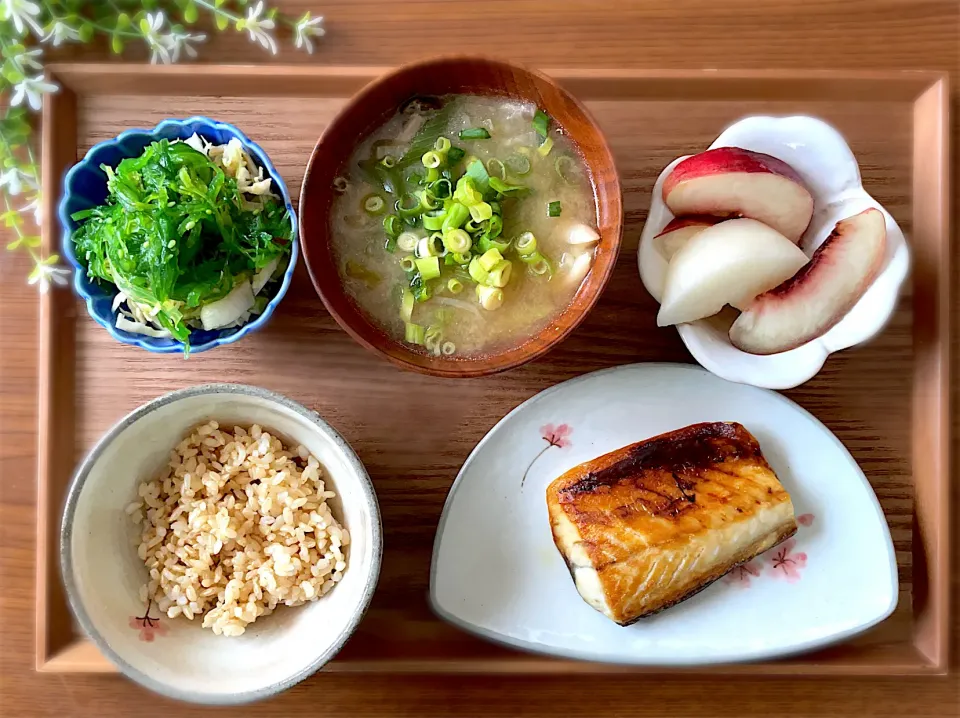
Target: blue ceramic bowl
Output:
[(85, 186)]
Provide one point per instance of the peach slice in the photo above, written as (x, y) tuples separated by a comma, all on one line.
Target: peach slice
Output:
[(733, 182), (808, 304), (728, 263), (679, 230)]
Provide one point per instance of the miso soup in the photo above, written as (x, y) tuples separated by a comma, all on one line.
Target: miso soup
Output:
[(465, 224)]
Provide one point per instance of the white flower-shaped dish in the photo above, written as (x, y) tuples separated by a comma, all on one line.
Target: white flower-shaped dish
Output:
[(823, 159)]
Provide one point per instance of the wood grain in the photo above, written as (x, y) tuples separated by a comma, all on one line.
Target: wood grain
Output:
[(853, 34), (399, 633)]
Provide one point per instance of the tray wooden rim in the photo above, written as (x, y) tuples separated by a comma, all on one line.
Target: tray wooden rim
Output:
[(927, 91)]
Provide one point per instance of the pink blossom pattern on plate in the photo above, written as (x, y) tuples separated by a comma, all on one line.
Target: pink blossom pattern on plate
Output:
[(558, 436), (785, 562), (743, 573), (149, 627)]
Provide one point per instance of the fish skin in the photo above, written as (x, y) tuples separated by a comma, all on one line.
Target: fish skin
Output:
[(651, 524)]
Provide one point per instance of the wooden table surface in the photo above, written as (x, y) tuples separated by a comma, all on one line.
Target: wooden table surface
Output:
[(826, 34)]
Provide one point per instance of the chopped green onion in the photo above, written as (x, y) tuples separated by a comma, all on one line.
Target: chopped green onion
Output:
[(389, 161), (421, 292), (518, 165), (431, 160), (478, 174), (407, 265), (413, 333), (429, 267), (490, 297), (448, 348), (431, 246), (428, 133), (477, 272), (433, 221), (466, 192), (540, 267), (533, 259), (407, 301), (526, 244), (460, 258), (390, 244), (475, 133), (441, 188), (442, 145), (408, 206), (494, 224), (541, 122), (432, 175), (472, 226), (433, 337), (340, 185), (500, 274), (496, 168), (457, 241), (455, 155), (456, 215), (389, 179), (407, 241), (544, 149), (566, 168), (487, 243), (391, 225), (505, 188), (455, 286), (481, 212), (553, 209), (428, 201), (490, 259), (373, 204)]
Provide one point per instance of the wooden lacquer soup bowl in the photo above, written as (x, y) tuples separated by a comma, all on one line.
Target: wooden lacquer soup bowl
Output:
[(376, 104)]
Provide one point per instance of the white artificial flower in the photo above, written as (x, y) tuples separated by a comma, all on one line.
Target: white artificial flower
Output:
[(180, 41), (307, 28), (33, 206), (22, 13), (31, 89), (61, 33), (258, 28), (26, 59), (46, 272), (11, 181), (157, 42)]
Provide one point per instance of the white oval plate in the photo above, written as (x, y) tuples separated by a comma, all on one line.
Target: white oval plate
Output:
[(823, 159), (497, 573)]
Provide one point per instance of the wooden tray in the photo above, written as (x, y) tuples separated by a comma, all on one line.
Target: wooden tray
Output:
[(886, 401)]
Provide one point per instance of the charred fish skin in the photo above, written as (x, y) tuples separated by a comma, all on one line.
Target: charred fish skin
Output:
[(651, 524)]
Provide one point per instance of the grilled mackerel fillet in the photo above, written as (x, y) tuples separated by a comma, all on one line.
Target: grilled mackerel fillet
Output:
[(649, 525)]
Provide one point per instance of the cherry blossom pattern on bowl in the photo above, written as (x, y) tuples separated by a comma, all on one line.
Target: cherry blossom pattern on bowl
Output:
[(835, 578), (827, 166)]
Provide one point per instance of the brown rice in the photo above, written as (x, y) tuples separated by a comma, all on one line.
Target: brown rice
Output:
[(236, 525)]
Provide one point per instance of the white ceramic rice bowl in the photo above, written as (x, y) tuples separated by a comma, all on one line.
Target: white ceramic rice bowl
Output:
[(103, 575)]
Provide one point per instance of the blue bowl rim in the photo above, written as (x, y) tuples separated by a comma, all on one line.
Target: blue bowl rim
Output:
[(66, 234)]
